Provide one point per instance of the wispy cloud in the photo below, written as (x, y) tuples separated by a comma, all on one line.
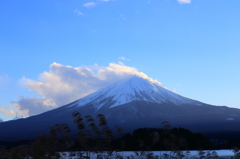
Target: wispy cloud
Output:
[(8, 112), (123, 58), (4, 80), (175, 90), (122, 17), (89, 4), (120, 63), (78, 12), (184, 1), (64, 84)]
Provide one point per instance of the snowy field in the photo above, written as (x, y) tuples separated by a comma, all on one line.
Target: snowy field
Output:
[(156, 154)]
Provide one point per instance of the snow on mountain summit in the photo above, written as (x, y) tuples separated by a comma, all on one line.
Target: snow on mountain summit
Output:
[(135, 88)]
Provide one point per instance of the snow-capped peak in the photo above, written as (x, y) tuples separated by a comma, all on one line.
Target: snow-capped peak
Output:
[(135, 88)]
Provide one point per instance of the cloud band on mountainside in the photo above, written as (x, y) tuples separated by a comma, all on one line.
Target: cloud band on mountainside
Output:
[(65, 84)]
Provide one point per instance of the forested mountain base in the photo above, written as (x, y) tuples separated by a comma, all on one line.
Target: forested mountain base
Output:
[(98, 137)]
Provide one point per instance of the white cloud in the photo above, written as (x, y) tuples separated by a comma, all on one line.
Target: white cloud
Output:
[(4, 80), (1, 120), (123, 58), (64, 84), (120, 63), (78, 12), (184, 1), (27, 106), (89, 4), (8, 112)]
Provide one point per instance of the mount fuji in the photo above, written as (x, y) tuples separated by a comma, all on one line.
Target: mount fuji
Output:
[(132, 103), (132, 89)]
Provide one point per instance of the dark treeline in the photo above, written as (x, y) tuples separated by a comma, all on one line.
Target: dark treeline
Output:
[(160, 139), (225, 140), (96, 136)]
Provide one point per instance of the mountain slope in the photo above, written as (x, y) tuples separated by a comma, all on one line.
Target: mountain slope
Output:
[(134, 89), (132, 103)]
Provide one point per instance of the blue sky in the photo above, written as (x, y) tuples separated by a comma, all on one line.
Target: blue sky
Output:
[(191, 46)]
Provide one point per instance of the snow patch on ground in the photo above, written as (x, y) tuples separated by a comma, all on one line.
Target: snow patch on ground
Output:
[(126, 154)]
